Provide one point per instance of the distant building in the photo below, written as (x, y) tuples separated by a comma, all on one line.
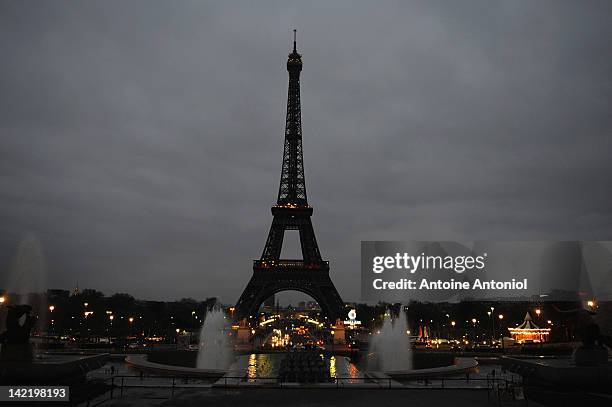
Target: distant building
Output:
[(56, 293)]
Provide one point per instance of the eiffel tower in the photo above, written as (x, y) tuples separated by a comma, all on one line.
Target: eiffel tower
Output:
[(271, 274)]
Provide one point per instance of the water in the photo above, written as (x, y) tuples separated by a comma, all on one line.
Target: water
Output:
[(266, 366), (390, 348), (215, 351), (26, 280)]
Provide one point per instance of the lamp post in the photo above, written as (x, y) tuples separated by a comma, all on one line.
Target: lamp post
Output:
[(492, 324), (111, 317), (501, 317), (51, 309)]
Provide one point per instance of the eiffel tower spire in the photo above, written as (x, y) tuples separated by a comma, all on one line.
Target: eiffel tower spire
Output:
[(292, 190)]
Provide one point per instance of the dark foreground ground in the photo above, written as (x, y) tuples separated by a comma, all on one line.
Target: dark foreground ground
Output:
[(314, 397)]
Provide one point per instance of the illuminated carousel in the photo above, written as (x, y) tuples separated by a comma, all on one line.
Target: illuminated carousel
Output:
[(528, 331)]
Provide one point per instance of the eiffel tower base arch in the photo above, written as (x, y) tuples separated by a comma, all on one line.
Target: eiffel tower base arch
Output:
[(265, 283)]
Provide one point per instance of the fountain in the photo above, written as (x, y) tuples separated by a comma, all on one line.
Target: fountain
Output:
[(391, 355), (390, 349), (25, 309), (212, 360), (214, 350), (25, 281)]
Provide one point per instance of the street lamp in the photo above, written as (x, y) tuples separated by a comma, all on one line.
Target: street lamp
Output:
[(501, 317), (2, 299)]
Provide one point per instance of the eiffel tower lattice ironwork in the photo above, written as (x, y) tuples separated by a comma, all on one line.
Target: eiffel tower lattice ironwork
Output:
[(271, 274)]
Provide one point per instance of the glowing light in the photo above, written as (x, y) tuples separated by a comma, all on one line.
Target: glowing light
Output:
[(51, 308), (111, 317), (2, 299), (131, 319), (332, 366), (453, 323), (538, 311), (252, 369), (501, 316)]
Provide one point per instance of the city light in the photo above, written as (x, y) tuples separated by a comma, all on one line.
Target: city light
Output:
[(453, 323), (501, 316), (2, 299), (131, 319), (538, 311), (111, 317), (51, 308)]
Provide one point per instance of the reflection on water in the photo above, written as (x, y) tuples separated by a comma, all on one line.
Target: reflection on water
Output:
[(332, 367), (261, 366), (266, 366), (252, 369)]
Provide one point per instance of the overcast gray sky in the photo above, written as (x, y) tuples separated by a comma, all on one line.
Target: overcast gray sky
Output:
[(141, 141)]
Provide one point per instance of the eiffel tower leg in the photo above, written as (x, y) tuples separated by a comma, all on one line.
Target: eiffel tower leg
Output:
[(265, 283)]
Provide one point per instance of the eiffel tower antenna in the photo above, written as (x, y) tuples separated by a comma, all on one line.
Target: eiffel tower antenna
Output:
[(310, 274)]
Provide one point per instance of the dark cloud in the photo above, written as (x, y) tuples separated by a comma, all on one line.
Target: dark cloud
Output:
[(141, 141)]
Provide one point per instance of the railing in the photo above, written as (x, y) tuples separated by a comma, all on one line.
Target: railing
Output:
[(500, 388)]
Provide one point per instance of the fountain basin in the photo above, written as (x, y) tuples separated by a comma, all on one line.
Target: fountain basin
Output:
[(560, 371), (51, 369), (141, 363), (460, 366)]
